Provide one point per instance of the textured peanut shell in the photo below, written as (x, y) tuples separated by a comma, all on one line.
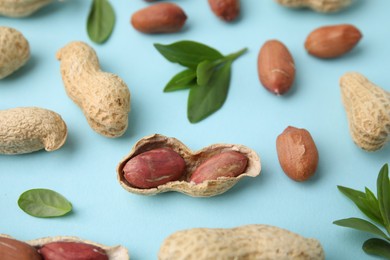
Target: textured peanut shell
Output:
[(113, 252), (14, 51), (193, 160), (368, 111), (103, 97), (258, 242), (21, 8), (29, 129), (323, 6)]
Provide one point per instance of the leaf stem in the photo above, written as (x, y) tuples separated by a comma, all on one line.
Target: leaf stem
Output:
[(235, 55)]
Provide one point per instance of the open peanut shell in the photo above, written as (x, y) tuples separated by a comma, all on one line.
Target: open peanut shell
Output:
[(193, 160)]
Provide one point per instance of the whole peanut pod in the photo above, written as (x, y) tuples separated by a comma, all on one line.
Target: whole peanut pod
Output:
[(103, 97), (323, 6), (12, 249), (29, 129), (21, 8), (14, 51), (227, 10)]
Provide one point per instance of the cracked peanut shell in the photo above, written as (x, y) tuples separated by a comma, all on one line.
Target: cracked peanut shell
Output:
[(193, 160)]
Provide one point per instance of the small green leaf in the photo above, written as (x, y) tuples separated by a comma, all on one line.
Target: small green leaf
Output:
[(372, 203), (205, 71), (188, 53), (205, 100), (182, 80), (360, 200), (101, 21), (383, 190), (362, 225), (379, 247), (44, 203)]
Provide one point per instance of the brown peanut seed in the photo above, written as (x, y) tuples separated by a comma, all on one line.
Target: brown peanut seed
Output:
[(153, 168), (227, 10), (72, 251), (276, 67), (11, 249), (159, 18), (297, 153)]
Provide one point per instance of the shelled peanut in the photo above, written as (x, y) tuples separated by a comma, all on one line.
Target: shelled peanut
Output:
[(103, 97), (368, 111), (56, 248), (227, 10), (21, 8), (159, 18), (29, 129), (323, 6), (158, 164), (245, 242), (14, 51)]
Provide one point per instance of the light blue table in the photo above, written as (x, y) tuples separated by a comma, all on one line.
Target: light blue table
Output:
[(83, 170)]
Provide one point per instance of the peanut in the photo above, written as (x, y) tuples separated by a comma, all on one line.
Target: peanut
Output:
[(227, 164), (159, 18), (72, 251), (332, 41), (323, 6), (368, 111), (227, 10), (21, 8), (14, 50), (103, 97), (297, 153), (276, 67), (29, 129), (11, 249), (154, 168), (245, 242)]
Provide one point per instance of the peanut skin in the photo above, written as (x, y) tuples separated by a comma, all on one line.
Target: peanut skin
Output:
[(276, 68), (226, 164), (153, 168), (21, 8), (103, 97), (29, 129), (11, 249), (159, 18), (227, 10), (72, 251), (332, 41), (245, 242), (297, 153), (14, 51)]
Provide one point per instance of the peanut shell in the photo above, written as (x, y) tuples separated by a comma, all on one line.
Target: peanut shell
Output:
[(103, 97), (14, 51), (323, 6), (29, 129), (21, 8), (193, 160), (368, 111), (258, 242)]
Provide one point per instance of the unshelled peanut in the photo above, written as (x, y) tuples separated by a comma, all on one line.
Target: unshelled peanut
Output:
[(159, 18), (323, 6), (21, 8), (29, 129), (153, 168), (103, 97), (226, 164), (14, 51)]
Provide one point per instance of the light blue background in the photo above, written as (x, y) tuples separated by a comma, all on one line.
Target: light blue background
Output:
[(83, 170)]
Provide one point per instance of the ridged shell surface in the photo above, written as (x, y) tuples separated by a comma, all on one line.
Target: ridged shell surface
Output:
[(21, 8), (324, 6)]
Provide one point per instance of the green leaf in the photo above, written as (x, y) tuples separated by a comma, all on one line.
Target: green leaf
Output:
[(101, 21), (372, 203), (205, 100), (360, 200), (188, 53), (362, 225), (182, 80), (379, 247), (44, 203), (383, 190)]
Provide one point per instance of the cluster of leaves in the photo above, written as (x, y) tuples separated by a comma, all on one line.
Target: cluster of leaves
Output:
[(44, 203), (101, 21), (207, 76), (376, 209)]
